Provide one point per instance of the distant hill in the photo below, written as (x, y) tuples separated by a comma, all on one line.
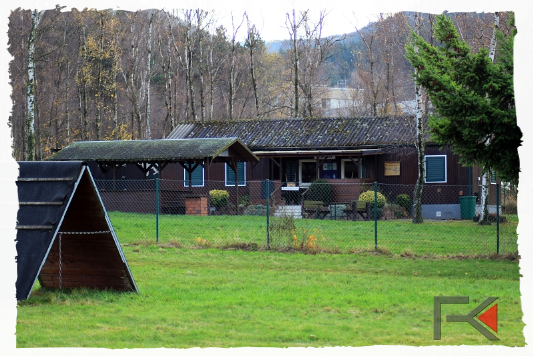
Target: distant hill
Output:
[(343, 62), (273, 46)]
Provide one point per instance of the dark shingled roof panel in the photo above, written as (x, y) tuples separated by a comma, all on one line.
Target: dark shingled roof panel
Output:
[(151, 150), (306, 133), (35, 185)]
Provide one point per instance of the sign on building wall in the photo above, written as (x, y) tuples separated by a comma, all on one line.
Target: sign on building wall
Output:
[(392, 168)]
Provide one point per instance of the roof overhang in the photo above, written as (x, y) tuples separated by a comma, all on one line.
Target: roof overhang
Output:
[(330, 152), (152, 151)]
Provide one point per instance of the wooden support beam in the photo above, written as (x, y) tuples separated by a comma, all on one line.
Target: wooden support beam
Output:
[(58, 203), (34, 227), (276, 163), (67, 179)]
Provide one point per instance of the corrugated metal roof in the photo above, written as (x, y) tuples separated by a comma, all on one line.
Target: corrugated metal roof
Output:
[(150, 150), (307, 133)]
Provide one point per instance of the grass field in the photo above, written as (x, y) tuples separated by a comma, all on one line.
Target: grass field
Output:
[(220, 298), (397, 236)]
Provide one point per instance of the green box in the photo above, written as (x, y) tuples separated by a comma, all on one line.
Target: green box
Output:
[(468, 207)]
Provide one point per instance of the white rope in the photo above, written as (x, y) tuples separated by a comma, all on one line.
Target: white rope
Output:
[(84, 232)]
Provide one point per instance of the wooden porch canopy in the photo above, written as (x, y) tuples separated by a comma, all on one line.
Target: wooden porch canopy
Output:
[(145, 154)]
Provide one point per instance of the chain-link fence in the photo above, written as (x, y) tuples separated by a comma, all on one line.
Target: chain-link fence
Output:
[(322, 216)]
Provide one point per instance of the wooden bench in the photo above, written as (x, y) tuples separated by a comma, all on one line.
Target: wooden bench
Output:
[(358, 207), (314, 208)]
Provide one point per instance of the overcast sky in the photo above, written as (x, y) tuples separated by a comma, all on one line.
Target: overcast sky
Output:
[(269, 17)]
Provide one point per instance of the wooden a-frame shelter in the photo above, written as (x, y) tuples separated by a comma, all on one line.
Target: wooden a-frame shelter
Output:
[(65, 238)]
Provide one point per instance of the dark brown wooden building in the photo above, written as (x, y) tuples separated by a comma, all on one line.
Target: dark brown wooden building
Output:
[(300, 150), (341, 150)]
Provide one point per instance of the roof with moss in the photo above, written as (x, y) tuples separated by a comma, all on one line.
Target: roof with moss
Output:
[(307, 133), (173, 150)]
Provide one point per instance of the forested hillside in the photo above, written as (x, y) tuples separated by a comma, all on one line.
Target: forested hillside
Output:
[(106, 74)]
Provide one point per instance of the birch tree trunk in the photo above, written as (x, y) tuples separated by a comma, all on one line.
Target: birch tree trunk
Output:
[(149, 73), (5, 102), (232, 69), (252, 73), (251, 42), (31, 153), (166, 65), (210, 71), (136, 111), (296, 56), (232, 82), (485, 182), (202, 86), (168, 85), (67, 113), (420, 143)]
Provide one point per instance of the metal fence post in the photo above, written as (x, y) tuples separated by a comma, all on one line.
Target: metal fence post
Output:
[(497, 218), (268, 211), (157, 209), (376, 216)]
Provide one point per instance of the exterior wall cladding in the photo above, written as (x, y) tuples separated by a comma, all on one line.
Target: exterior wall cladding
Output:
[(265, 169), (446, 193)]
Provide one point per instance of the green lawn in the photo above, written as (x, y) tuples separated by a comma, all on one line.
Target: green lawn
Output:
[(398, 236), (220, 298)]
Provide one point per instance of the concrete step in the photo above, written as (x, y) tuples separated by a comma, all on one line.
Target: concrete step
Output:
[(289, 210)]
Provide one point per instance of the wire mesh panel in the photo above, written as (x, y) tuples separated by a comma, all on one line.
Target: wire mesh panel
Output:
[(324, 216), (208, 214), (450, 222), (131, 206), (507, 228)]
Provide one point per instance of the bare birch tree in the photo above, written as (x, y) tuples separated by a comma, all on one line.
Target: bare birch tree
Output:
[(232, 74), (151, 14), (485, 180), (293, 26), (5, 102), (30, 153), (315, 51), (420, 141)]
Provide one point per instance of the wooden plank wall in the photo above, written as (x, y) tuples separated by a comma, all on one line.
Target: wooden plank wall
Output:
[(91, 261)]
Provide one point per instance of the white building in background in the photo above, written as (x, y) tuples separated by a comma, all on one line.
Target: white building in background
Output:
[(340, 101), (408, 107)]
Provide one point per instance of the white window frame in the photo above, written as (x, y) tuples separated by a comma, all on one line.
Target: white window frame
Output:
[(186, 181), (343, 162), (226, 167), (300, 161), (445, 169)]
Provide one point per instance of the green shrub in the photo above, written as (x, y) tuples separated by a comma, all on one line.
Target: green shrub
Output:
[(404, 201), (219, 198), (321, 190), (259, 210), (398, 214), (244, 200), (369, 197), (380, 212)]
